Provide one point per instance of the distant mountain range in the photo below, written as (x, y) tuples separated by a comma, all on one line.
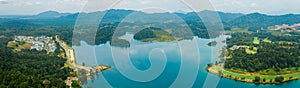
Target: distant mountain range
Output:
[(254, 20), (50, 14), (43, 15)]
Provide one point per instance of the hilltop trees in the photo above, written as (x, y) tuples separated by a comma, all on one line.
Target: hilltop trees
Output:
[(256, 79), (282, 53), (279, 79), (31, 69)]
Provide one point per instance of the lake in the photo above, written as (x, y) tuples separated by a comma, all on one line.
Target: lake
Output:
[(179, 64)]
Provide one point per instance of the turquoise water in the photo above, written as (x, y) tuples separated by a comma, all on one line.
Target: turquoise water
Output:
[(160, 65)]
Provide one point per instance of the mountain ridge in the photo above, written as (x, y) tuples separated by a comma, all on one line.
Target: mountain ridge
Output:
[(252, 21)]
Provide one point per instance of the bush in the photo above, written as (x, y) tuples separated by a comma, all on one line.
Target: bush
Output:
[(256, 79), (279, 79)]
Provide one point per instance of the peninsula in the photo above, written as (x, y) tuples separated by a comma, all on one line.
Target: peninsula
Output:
[(84, 72), (269, 57)]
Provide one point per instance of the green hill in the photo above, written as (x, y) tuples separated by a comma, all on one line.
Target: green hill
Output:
[(256, 21), (152, 34)]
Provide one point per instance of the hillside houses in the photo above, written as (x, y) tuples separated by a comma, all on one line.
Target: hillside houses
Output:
[(288, 28), (38, 43)]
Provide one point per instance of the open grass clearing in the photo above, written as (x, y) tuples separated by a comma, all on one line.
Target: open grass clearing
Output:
[(267, 40), (18, 46), (238, 30), (256, 40), (253, 51)]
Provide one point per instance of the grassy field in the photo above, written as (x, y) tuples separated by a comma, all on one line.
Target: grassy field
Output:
[(267, 40), (234, 30), (253, 51), (249, 77), (282, 71), (256, 40), (19, 46)]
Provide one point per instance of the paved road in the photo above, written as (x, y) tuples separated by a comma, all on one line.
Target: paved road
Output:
[(70, 54), (71, 57)]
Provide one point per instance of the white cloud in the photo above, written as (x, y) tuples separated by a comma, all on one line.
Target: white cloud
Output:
[(3, 2), (263, 6), (37, 3), (253, 5)]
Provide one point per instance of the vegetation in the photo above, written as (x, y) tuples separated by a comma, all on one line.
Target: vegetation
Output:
[(256, 40), (152, 34), (237, 30), (252, 50), (19, 45), (267, 40), (274, 59), (31, 69), (251, 77), (262, 56), (257, 21), (213, 43)]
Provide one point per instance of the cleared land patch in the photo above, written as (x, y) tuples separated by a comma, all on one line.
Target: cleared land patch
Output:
[(256, 40)]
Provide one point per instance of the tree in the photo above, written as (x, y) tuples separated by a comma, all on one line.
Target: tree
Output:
[(256, 79), (271, 80), (220, 73), (279, 79), (209, 65), (264, 80), (24, 84), (243, 78), (83, 64), (39, 69), (75, 84), (269, 56)]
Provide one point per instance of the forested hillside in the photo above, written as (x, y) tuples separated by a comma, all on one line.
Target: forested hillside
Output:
[(31, 69), (274, 53), (256, 21)]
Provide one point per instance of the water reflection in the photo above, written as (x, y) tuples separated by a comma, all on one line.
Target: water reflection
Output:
[(158, 64)]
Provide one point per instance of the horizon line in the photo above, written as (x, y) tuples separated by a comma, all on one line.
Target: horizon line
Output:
[(182, 12)]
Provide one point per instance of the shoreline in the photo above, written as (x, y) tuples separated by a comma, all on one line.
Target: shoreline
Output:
[(90, 72), (249, 78)]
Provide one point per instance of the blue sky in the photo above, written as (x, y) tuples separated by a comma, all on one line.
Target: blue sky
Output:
[(273, 7)]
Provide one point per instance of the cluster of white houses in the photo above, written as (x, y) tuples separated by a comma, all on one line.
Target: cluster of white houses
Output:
[(38, 43), (288, 28)]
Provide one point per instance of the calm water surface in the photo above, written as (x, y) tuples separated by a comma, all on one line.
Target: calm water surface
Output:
[(160, 65)]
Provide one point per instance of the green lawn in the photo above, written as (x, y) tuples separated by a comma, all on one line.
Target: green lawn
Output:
[(238, 30), (18, 46), (230, 73), (267, 40), (249, 51), (256, 40)]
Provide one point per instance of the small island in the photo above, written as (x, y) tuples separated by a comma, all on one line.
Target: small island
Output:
[(213, 43), (152, 34), (263, 58)]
